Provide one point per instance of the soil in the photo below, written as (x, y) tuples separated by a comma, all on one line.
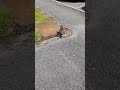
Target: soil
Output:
[(50, 29), (21, 36)]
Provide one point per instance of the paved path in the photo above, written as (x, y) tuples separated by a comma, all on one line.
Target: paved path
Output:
[(60, 64), (76, 5)]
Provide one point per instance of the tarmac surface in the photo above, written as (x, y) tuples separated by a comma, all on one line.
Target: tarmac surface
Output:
[(60, 65), (77, 5)]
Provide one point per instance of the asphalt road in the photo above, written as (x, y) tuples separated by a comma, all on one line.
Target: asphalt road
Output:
[(60, 65), (102, 32), (75, 5)]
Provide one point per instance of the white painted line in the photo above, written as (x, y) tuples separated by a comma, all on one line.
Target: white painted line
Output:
[(69, 6)]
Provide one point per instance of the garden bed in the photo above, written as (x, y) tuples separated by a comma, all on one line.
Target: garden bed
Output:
[(13, 34), (46, 28), (18, 35)]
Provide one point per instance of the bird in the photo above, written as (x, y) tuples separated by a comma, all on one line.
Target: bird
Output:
[(60, 32)]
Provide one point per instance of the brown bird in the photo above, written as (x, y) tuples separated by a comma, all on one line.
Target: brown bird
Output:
[(61, 32)]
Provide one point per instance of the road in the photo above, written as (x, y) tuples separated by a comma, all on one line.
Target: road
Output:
[(60, 65), (77, 5)]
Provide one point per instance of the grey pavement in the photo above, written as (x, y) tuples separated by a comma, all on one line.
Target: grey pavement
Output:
[(76, 5), (60, 65), (17, 69)]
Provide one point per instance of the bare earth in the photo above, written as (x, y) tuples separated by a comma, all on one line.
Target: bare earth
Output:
[(48, 28)]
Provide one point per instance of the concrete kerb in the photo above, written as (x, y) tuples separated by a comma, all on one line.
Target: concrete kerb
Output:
[(69, 6)]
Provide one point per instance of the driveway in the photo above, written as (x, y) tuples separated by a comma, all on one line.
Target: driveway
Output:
[(76, 5), (60, 65)]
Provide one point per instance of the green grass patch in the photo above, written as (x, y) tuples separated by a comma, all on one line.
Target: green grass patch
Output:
[(37, 35), (39, 16), (6, 21)]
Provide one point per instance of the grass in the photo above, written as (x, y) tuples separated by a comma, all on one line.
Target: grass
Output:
[(37, 35), (39, 16), (6, 21)]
